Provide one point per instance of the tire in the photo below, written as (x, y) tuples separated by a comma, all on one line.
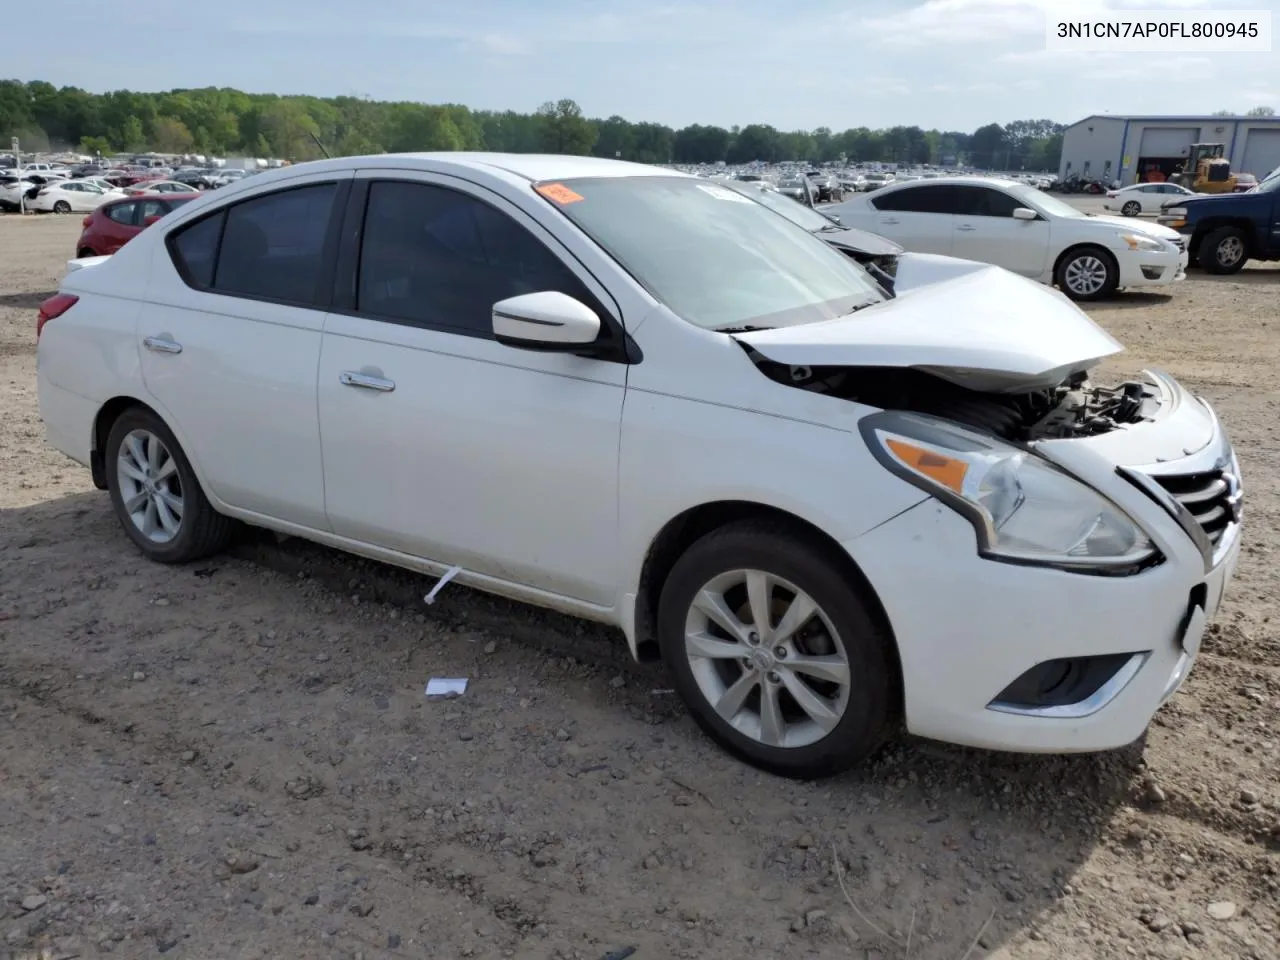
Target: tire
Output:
[(1224, 251), (857, 713), (85, 252), (1131, 209), (62, 207), (199, 531), (1087, 273)]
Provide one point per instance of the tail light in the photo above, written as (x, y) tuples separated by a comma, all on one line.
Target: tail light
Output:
[(86, 221), (53, 308)]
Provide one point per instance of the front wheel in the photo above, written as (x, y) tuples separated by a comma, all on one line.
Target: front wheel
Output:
[(778, 656), (1223, 251), (156, 495), (1088, 273), (1131, 209)]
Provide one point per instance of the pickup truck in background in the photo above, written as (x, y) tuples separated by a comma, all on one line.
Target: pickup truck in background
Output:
[(1225, 231)]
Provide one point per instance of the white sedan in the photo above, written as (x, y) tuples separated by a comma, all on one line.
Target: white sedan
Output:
[(1022, 229), (643, 398), (72, 196), (1144, 197), (159, 186)]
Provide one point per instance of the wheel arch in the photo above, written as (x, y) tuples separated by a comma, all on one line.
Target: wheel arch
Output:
[(1084, 245), (1210, 224), (682, 530)]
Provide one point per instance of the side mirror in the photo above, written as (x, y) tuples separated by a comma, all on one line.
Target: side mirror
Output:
[(1025, 213), (549, 321), (148, 221)]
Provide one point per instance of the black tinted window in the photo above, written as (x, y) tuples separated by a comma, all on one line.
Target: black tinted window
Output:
[(122, 213), (984, 202), (273, 246), (932, 199), (195, 248), (436, 257)]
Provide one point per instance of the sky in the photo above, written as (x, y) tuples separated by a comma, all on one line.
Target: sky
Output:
[(946, 64)]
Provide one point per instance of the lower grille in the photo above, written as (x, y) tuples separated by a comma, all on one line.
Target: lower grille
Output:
[(1213, 498)]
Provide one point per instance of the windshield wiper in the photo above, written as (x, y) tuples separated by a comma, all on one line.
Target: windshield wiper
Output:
[(744, 329)]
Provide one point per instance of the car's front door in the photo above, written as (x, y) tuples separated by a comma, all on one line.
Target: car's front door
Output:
[(921, 218), (986, 230), (230, 340), (438, 441)]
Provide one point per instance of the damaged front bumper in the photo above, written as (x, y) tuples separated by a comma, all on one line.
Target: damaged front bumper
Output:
[(1040, 660)]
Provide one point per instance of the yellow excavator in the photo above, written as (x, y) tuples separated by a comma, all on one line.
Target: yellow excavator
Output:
[(1206, 170)]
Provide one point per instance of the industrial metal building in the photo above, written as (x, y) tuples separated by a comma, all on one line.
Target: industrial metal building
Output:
[(1131, 148)]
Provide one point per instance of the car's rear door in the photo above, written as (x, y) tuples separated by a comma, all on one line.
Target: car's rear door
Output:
[(921, 218), (438, 441), (230, 339)]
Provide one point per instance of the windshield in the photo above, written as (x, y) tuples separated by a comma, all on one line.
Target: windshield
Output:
[(714, 257), (793, 210), (1044, 202), (1269, 185)]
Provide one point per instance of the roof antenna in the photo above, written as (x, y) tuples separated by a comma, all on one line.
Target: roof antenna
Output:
[(320, 145)]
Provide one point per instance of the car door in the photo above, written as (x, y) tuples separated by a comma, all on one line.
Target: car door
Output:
[(230, 339), (986, 231), (438, 441), (118, 226), (920, 218)]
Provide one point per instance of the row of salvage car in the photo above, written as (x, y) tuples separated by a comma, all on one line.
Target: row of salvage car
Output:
[(599, 379)]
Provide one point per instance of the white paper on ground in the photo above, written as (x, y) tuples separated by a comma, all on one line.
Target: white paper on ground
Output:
[(442, 687)]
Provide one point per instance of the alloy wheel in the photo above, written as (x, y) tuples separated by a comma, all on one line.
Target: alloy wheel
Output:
[(150, 486), (1086, 275), (1230, 250), (767, 659)]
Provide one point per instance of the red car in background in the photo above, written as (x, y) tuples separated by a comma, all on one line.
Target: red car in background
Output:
[(117, 222)]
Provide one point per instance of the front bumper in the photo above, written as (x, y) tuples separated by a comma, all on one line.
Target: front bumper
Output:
[(986, 623), (1151, 269)]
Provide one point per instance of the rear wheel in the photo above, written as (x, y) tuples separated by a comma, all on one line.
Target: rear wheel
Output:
[(1223, 251), (1131, 209), (156, 495), (62, 207), (1087, 273), (778, 656)]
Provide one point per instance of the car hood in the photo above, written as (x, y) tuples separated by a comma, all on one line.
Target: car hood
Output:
[(860, 241), (1133, 225), (981, 327)]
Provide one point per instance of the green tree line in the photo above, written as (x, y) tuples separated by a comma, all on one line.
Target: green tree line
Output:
[(226, 122)]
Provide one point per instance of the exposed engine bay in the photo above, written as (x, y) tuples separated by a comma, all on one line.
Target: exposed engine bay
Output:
[(1074, 408)]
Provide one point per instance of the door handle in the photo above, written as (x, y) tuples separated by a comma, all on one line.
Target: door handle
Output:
[(966, 227), (161, 345), (888, 219), (350, 379)]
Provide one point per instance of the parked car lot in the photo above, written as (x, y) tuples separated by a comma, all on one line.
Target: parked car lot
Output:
[(327, 773)]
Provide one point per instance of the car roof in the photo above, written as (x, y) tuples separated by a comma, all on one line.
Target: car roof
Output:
[(532, 167), (959, 182)]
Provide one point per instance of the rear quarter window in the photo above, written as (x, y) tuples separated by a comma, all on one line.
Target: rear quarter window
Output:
[(122, 213), (194, 250)]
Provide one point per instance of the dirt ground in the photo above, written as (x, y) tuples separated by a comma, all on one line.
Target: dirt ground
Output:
[(236, 759)]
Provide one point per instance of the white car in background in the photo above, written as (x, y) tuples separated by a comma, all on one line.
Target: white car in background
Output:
[(644, 398), (71, 196), (1029, 232), (1144, 197)]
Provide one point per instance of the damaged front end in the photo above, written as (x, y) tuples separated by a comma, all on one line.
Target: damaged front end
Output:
[(1073, 408)]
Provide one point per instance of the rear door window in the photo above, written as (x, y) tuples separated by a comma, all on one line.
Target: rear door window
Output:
[(123, 213), (273, 245), (940, 199)]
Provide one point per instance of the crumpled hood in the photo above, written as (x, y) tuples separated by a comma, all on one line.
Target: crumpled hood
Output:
[(980, 326)]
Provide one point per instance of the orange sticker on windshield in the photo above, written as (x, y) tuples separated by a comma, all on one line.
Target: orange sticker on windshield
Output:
[(559, 193)]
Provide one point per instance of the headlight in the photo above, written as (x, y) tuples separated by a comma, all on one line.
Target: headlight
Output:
[(1024, 509), (1143, 243)]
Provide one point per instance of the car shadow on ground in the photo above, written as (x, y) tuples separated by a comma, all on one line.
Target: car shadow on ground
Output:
[(285, 663), (1244, 276), (25, 301)]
